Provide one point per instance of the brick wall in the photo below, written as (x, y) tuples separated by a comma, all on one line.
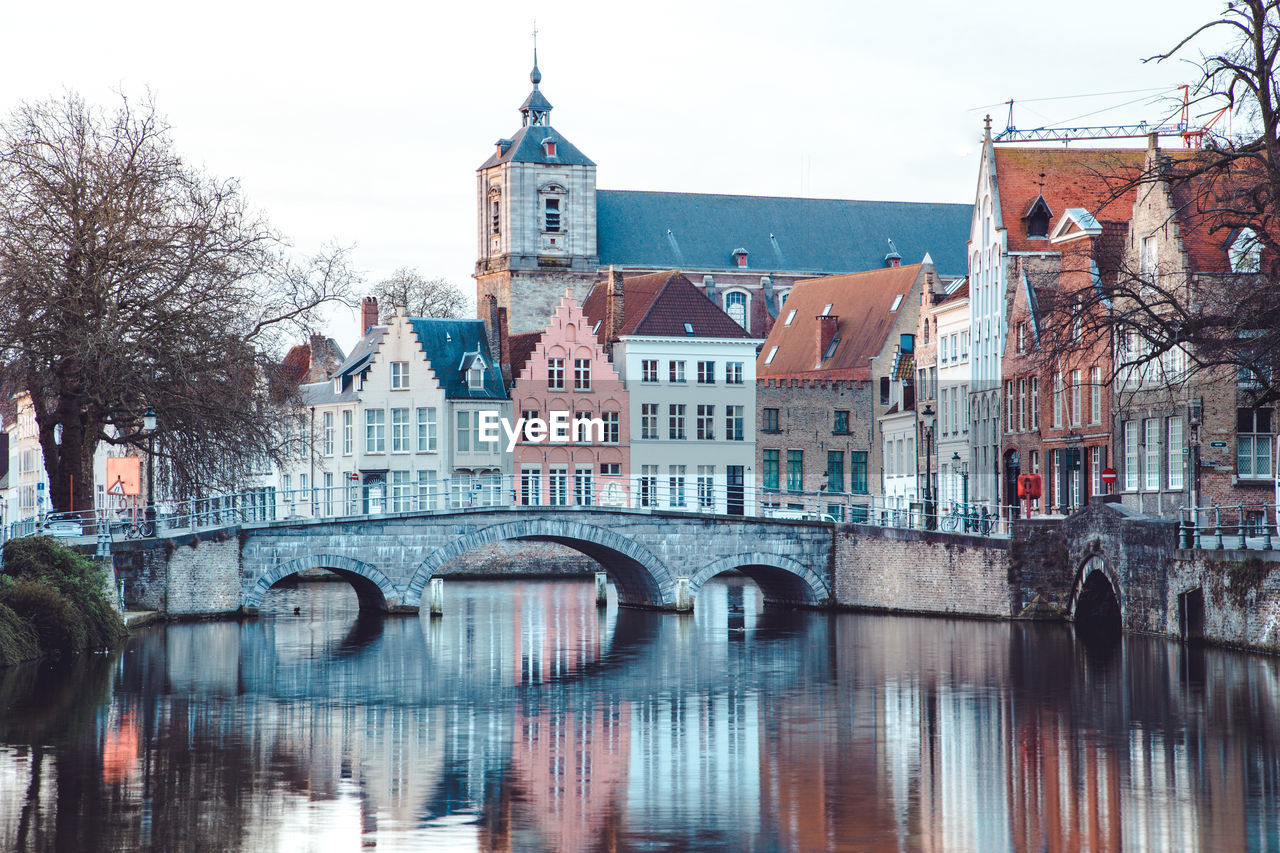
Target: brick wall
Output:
[(806, 414), (921, 572), (184, 576)]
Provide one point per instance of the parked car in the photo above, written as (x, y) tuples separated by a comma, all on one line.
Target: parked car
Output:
[(62, 525)]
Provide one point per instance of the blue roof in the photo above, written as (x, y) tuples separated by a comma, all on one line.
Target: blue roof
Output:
[(526, 147), (451, 346), (692, 231)]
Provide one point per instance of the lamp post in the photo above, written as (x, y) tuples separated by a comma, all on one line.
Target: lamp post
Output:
[(963, 469), (930, 520), (149, 427)]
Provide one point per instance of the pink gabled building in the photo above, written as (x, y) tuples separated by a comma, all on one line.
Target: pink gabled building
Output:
[(564, 368)]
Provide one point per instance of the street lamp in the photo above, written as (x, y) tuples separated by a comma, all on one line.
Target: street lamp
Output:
[(963, 468), (930, 521), (149, 427)]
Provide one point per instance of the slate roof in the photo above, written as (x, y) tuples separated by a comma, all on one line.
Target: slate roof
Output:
[(362, 353), (451, 346), (319, 393), (861, 301), (659, 305), (526, 147), (694, 231), (1096, 179)]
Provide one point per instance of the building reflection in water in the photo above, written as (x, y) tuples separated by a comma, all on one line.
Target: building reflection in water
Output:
[(527, 719)]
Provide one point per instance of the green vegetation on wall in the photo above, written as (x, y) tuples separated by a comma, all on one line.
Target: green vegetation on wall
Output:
[(52, 600)]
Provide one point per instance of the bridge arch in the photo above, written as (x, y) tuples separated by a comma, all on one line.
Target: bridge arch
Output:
[(1097, 598), (782, 579), (373, 589), (641, 578)]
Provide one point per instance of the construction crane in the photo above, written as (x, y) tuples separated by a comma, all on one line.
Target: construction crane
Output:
[(1192, 137)]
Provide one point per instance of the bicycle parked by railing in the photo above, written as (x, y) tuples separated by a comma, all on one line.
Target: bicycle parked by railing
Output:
[(969, 518), (134, 524)]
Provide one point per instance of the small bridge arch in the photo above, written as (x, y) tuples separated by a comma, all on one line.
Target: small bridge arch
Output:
[(641, 578), (373, 590), (1097, 599), (782, 579)]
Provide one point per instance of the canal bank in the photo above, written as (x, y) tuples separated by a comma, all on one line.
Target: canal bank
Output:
[(1105, 559), (1104, 563)]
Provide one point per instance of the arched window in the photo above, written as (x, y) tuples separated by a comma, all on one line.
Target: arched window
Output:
[(495, 211), (735, 305), (552, 209)]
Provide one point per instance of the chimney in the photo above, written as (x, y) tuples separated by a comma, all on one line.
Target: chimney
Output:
[(827, 325), (615, 305), (368, 314), (504, 345)]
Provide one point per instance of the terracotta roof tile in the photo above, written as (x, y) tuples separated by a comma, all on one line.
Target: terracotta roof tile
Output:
[(521, 347), (862, 301), (1206, 207), (1097, 179), (659, 305)]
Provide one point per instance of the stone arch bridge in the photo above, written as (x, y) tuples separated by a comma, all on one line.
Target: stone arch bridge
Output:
[(656, 560)]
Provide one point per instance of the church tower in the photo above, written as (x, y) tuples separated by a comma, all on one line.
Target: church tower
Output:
[(536, 202)]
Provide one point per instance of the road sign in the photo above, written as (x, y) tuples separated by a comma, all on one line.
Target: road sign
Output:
[(1109, 475)]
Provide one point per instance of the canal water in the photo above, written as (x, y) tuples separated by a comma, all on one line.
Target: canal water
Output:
[(525, 719)]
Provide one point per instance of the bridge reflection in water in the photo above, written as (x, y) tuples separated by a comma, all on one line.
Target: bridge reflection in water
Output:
[(526, 719)]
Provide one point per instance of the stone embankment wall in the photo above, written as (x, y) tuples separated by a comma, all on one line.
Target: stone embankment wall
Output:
[(183, 576), (886, 568), (1241, 597)]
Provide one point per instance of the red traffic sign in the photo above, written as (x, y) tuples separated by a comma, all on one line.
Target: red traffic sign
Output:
[(1108, 475)]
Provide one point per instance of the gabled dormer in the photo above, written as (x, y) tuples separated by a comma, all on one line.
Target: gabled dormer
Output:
[(1037, 219), (1076, 222)]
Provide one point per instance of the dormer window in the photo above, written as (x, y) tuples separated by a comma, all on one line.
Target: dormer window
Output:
[(1038, 219), (740, 257), (549, 147), (475, 374), (1245, 252)]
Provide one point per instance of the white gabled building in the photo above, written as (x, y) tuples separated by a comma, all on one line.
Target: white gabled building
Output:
[(397, 426), (689, 372)]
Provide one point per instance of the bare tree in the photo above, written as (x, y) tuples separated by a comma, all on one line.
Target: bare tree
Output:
[(420, 297), (129, 280), (1225, 199)]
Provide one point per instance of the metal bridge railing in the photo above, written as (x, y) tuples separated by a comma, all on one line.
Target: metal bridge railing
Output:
[(569, 490), (1234, 526)]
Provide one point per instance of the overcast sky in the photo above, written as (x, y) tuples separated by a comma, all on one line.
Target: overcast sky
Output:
[(364, 123)]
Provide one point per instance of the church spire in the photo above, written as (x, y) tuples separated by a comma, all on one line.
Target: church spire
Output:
[(536, 109)]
